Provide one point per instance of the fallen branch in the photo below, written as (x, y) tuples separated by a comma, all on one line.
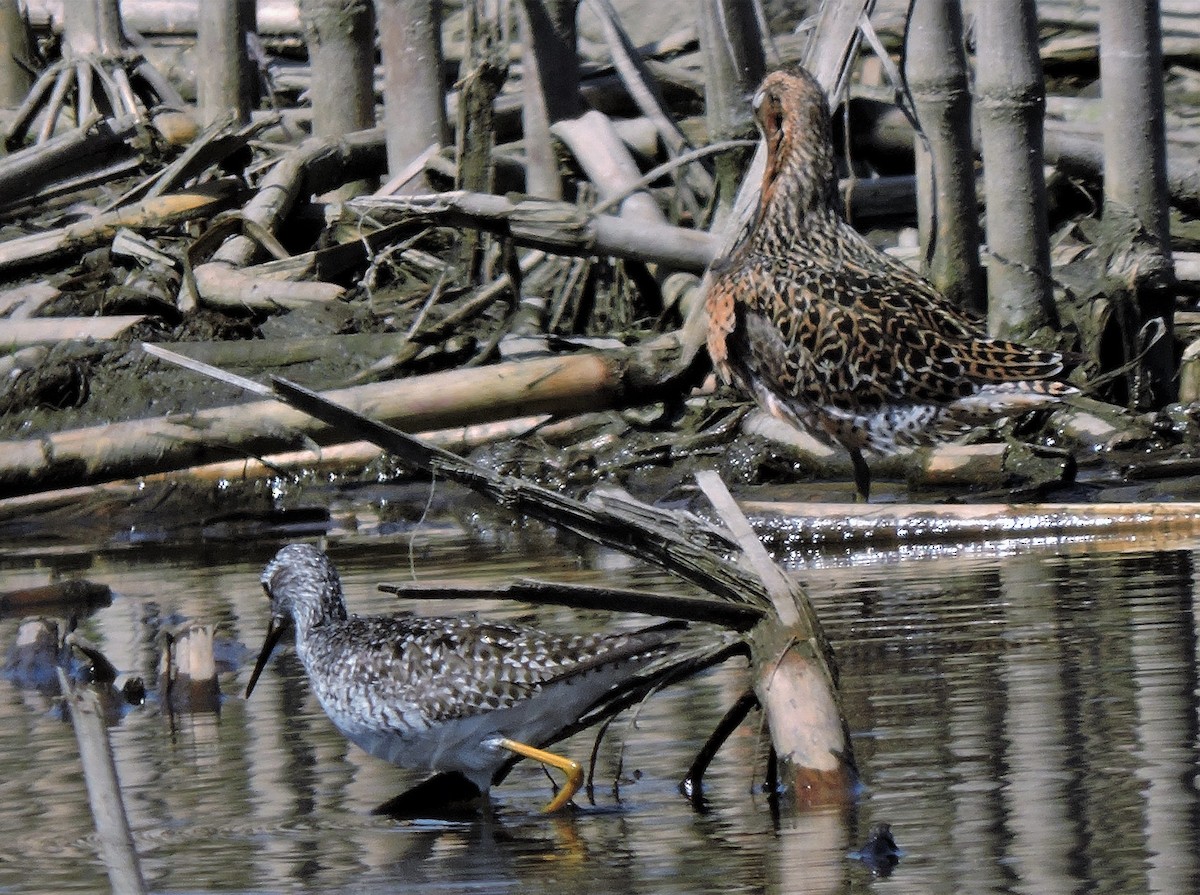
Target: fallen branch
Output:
[(557, 227), (52, 330), (564, 385), (795, 680), (163, 211), (115, 838), (584, 596), (89, 148)]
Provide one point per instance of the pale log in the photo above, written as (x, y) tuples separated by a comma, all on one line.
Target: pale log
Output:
[(52, 330), (94, 454), (163, 211)]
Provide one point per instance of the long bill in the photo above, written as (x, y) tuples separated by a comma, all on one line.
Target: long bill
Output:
[(275, 629)]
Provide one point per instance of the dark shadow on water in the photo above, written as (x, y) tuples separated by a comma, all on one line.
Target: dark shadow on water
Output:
[(446, 796)]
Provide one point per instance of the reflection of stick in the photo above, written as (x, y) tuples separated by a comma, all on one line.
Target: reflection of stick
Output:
[(104, 791)]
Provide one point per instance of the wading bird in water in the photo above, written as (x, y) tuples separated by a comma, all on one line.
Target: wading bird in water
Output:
[(445, 694), (829, 333)]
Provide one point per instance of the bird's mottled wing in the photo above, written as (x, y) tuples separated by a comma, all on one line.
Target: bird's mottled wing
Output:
[(881, 284), (451, 668)]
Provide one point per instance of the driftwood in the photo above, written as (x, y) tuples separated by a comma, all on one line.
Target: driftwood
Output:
[(114, 835), (644, 89), (171, 16), (946, 465), (52, 330), (96, 150), (119, 450), (556, 227), (163, 211), (237, 289), (794, 677), (333, 458), (314, 166), (26, 300)]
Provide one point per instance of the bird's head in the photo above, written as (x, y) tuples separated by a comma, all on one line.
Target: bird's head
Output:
[(304, 590), (793, 114)]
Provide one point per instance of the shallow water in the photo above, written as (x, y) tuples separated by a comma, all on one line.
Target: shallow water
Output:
[(1025, 719)]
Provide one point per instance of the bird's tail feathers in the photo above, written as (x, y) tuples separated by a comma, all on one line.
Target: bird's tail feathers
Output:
[(997, 360)]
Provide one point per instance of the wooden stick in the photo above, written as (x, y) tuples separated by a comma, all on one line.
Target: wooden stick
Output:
[(232, 288), (557, 227), (644, 90), (91, 146), (116, 846), (792, 666), (584, 596), (163, 211), (312, 167), (52, 330)]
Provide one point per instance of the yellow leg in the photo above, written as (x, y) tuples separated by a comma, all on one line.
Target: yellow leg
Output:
[(571, 768)]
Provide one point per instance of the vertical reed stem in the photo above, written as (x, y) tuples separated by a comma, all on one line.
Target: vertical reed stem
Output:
[(1135, 173), (1010, 101), (947, 212)]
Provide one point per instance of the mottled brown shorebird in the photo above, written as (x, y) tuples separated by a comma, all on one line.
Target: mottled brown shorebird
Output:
[(444, 694), (829, 333)]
